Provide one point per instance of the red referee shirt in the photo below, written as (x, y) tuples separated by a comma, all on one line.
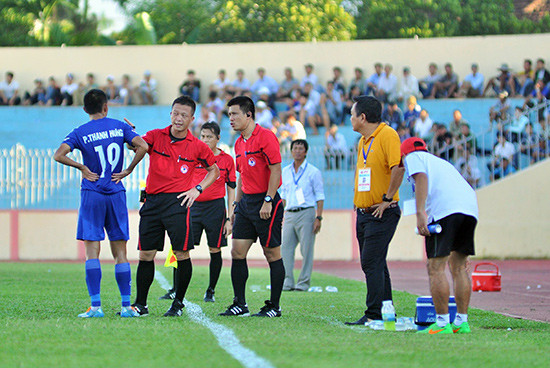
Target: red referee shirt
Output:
[(227, 175), (253, 158), (171, 164)]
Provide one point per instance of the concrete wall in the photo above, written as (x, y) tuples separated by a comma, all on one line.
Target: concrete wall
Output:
[(50, 235), (170, 63), (514, 213)]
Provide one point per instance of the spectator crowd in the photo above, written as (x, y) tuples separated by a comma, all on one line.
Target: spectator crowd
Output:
[(290, 106)]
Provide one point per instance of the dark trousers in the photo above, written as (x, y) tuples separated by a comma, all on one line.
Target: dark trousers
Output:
[(374, 236)]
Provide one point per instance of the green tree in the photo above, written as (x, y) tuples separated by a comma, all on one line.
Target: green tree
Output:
[(173, 21), (139, 32), (15, 28), (485, 17), (280, 20), (441, 18), (406, 18), (50, 22)]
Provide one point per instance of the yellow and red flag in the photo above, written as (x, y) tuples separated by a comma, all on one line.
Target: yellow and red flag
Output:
[(171, 260)]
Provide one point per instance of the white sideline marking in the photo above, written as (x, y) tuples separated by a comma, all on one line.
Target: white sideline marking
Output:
[(227, 339)]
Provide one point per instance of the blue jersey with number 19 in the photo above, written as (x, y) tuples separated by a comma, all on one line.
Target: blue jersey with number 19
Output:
[(101, 142)]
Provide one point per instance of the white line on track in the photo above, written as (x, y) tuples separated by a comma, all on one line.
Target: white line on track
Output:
[(227, 339)]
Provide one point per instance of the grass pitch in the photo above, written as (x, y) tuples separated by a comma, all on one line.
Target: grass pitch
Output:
[(38, 327)]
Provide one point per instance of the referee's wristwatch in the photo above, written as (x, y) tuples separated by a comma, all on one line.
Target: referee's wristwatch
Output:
[(320, 218), (199, 188), (386, 199), (268, 199)]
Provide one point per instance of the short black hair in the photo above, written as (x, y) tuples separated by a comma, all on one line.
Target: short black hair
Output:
[(185, 101), (213, 126), (94, 101), (245, 104), (370, 106), (302, 142)]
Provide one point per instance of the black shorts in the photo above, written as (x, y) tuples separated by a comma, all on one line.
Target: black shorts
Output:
[(209, 216), (249, 225), (457, 234), (163, 213)]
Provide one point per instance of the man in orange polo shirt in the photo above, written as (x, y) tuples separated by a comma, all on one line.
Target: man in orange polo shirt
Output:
[(378, 176)]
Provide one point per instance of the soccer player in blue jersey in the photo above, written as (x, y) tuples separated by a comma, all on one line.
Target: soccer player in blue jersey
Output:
[(103, 197)]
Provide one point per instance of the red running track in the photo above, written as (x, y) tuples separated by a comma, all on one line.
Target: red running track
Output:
[(525, 284)]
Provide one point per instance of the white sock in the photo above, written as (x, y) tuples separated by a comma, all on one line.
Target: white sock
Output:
[(442, 320), (94, 309), (460, 319)]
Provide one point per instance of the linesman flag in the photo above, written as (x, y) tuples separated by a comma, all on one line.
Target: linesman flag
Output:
[(171, 260)]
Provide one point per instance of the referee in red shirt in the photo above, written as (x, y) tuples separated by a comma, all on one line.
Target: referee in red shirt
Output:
[(209, 213), (259, 208), (170, 192)]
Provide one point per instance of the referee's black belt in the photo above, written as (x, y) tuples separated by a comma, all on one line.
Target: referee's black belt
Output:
[(298, 209), (371, 209)]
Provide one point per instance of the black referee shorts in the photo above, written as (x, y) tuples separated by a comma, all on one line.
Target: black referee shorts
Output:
[(457, 234), (163, 213), (210, 217), (249, 225)]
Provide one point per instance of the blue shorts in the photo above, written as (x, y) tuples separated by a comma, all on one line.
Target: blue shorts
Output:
[(102, 211)]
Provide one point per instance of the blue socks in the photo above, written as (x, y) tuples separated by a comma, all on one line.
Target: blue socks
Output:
[(123, 277), (93, 281)]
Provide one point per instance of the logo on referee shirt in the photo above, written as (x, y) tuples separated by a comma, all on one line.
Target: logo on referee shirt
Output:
[(184, 169), (251, 161)]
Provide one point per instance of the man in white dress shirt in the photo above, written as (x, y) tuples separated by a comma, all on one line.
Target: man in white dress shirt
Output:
[(303, 198)]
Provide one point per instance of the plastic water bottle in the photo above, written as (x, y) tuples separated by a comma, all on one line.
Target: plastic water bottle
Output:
[(433, 229), (331, 289), (255, 288), (400, 324), (375, 325), (315, 289), (388, 315)]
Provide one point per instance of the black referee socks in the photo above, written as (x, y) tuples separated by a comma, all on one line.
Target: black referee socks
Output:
[(277, 277), (215, 269), (183, 275), (239, 275), (144, 278)]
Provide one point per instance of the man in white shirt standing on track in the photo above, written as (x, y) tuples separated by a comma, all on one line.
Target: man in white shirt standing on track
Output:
[(443, 198), (302, 191)]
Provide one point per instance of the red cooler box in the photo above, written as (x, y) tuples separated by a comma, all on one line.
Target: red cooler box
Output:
[(486, 279)]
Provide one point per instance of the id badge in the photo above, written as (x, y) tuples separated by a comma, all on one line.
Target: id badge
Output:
[(300, 196), (363, 180)]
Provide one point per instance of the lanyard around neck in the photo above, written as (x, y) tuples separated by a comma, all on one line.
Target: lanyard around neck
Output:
[(299, 177), (365, 155)]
